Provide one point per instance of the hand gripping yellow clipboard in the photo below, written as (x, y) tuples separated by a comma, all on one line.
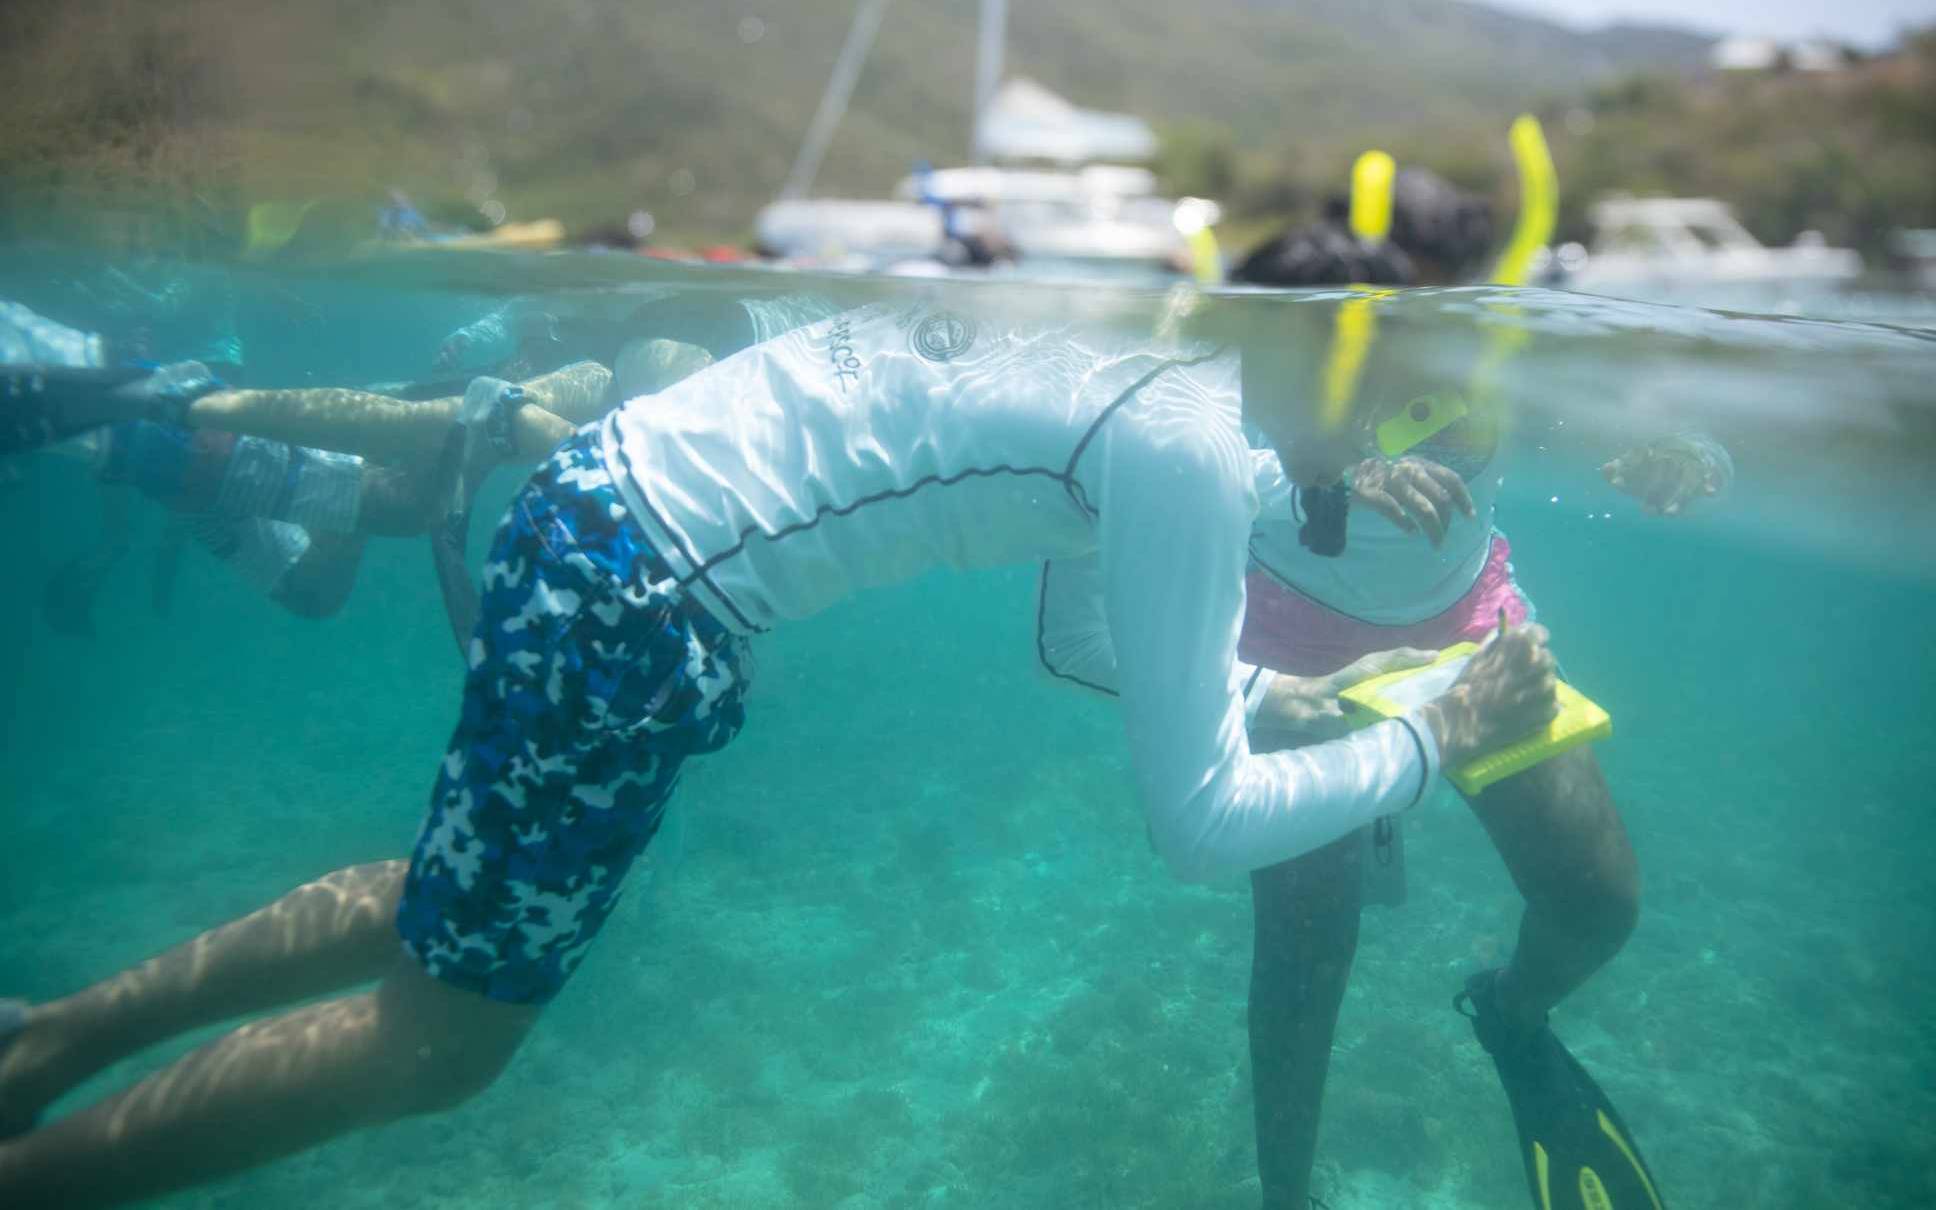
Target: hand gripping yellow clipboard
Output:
[(1580, 720)]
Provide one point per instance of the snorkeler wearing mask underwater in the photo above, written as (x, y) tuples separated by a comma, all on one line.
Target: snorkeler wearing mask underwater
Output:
[(1420, 566), (1394, 563), (275, 483), (620, 599)]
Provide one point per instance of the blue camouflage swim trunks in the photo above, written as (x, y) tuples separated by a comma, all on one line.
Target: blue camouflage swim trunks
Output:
[(591, 679)]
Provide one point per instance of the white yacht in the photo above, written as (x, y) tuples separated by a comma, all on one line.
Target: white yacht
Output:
[(1058, 186), (1670, 243), (1102, 213), (1914, 249), (1089, 220)]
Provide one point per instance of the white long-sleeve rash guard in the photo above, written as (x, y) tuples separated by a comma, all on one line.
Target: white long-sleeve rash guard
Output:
[(867, 448)]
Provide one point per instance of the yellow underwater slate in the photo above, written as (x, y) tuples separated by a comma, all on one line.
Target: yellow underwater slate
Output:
[(1580, 720)]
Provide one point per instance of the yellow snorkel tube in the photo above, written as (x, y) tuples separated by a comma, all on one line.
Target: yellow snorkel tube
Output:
[(1192, 218), (1371, 196), (1539, 201), (1356, 327), (271, 226), (1352, 333), (1357, 323), (1539, 191), (1206, 259)]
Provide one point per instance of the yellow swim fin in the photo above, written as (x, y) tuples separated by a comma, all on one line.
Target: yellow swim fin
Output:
[(1578, 1154)]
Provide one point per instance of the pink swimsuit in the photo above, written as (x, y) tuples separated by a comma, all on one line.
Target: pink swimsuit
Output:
[(1286, 631)]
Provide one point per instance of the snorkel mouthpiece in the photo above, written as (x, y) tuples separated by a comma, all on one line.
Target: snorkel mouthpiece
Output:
[(1325, 509)]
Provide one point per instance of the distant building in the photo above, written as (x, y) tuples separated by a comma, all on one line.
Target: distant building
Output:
[(1766, 54), (1745, 54), (1817, 56)]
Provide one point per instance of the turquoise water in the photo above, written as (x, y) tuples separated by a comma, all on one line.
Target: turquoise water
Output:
[(905, 944)]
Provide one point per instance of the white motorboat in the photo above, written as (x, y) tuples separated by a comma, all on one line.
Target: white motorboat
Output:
[(1914, 249), (1100, 213), (1664, 244), (847, 232)]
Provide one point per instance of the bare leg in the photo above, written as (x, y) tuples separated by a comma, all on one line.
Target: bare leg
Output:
[(320, 582), (1561, 837), (331, 418), (67, 603), (403, 502), (358, 422), (1306, 913), (272, 1087), (321, 937)]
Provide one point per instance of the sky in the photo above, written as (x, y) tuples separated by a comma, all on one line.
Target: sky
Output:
[(1868, 23)]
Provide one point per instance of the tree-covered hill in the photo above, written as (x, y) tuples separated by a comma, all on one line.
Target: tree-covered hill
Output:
[(1851, 154), (588, 109), (692, 109)]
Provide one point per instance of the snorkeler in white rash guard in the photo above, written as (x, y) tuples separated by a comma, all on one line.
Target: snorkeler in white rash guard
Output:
[(877, 445), (619, 599)]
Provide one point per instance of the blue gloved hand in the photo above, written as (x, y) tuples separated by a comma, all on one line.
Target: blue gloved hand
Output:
[(41, 404), (166, 393)]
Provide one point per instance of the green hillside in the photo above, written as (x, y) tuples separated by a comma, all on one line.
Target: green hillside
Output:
[(1851, 154), (588, 109)]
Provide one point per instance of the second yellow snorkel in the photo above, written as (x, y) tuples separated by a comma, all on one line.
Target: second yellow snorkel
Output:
[(1355, 327), (1539, 201), (1371, 204)]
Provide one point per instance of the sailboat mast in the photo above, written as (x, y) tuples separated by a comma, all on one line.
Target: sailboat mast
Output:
[(988, 64), (833, 102)]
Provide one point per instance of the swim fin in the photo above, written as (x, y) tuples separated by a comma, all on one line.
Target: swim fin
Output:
[(1579, 1155)]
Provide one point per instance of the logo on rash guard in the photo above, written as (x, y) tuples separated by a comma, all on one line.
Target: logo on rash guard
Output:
[(942, 336), (846, 363)]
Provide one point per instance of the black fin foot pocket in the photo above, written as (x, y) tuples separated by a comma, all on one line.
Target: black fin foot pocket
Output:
[(1578, 1153)]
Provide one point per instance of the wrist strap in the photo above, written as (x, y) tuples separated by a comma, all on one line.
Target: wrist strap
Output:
[(1424, 764)]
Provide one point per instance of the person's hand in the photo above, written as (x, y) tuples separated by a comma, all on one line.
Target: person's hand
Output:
[(484, 342), (1665, 476), (1304, 709), (488, 407), (1412, 493), (1507, 692)]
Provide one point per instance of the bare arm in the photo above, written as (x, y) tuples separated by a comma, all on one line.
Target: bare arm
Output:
[(578, 393)]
